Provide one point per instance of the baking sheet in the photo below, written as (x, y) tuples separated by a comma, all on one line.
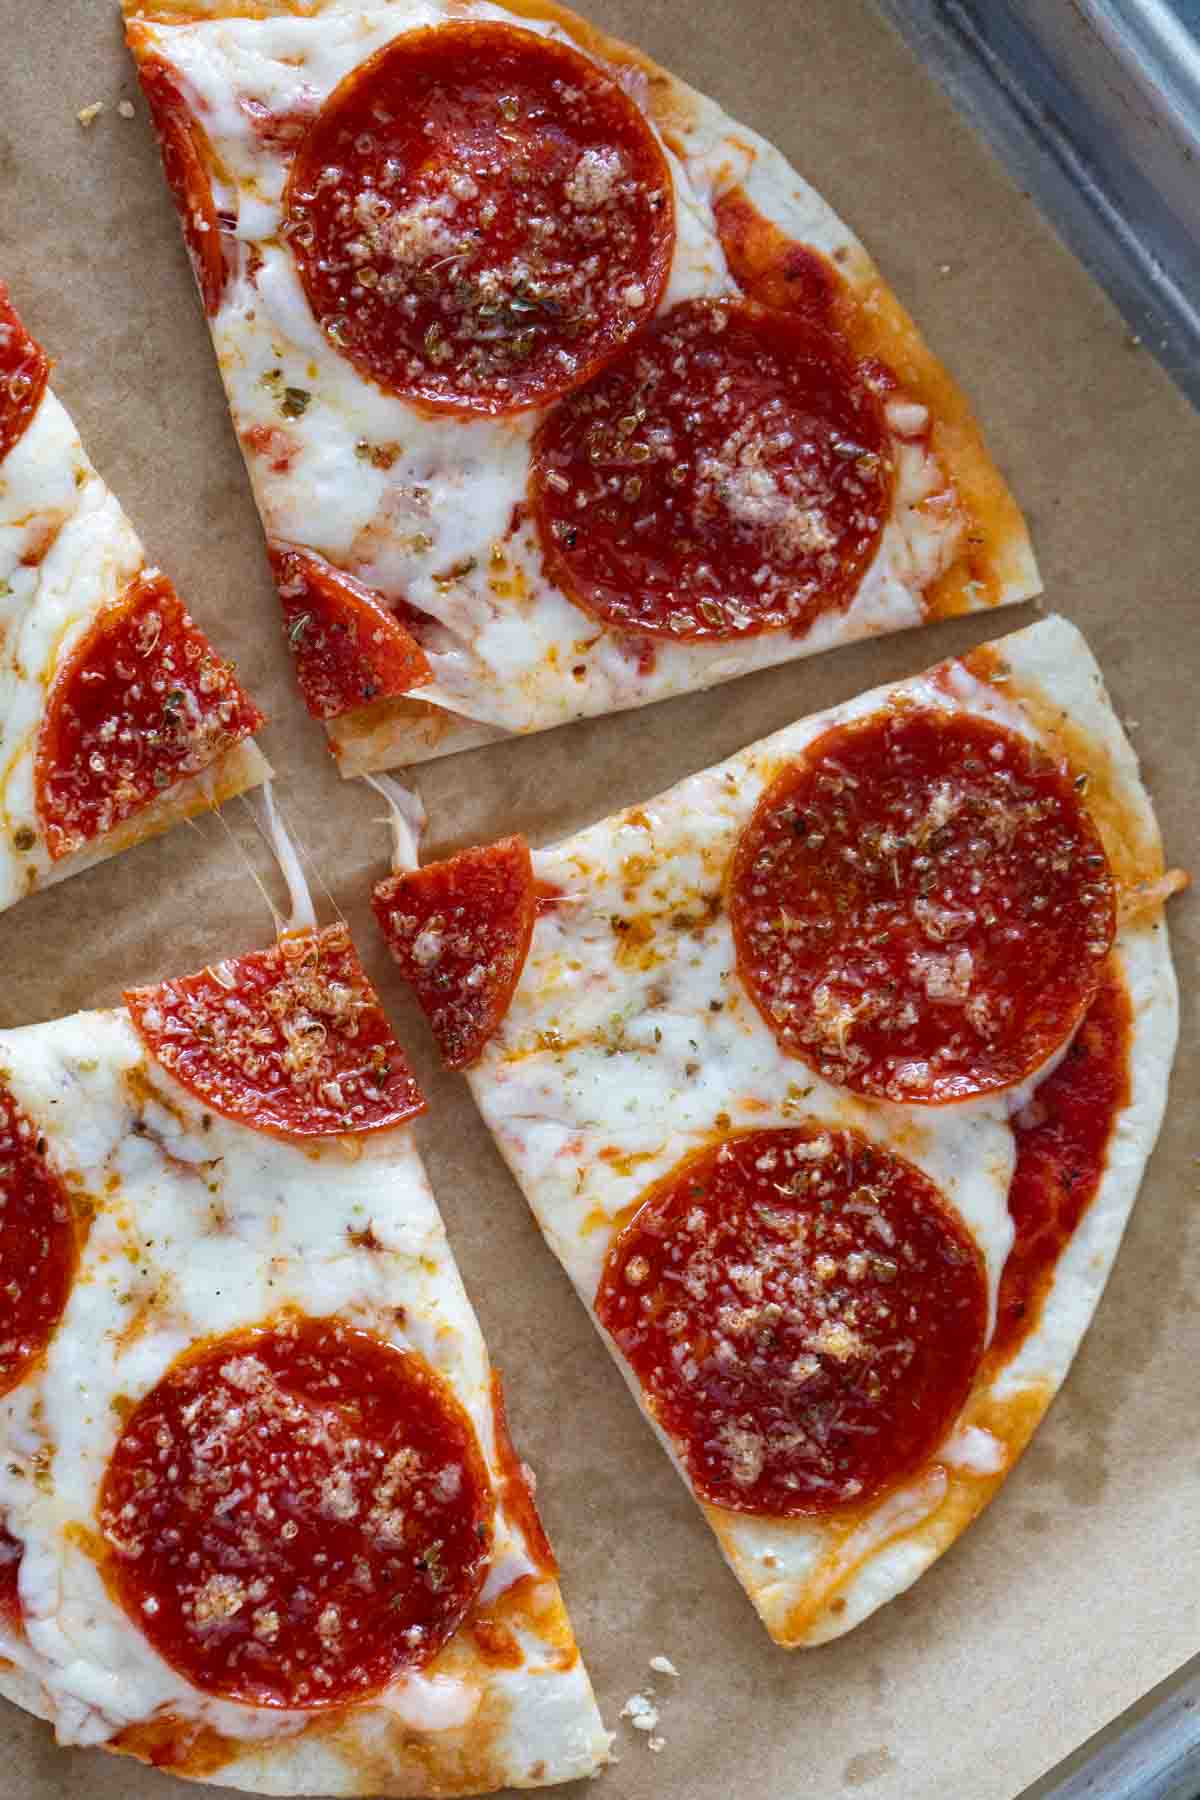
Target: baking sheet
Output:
[(1080, 1587)]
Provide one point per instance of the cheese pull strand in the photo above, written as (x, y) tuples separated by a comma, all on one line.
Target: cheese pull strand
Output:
[(406, 818)]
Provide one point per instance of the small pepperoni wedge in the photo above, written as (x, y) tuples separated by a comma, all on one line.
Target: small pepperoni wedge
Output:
[(141, 703), (728, 475), (37, 1245), (24, 372), (921, 906), (291, 1040), (805, 1316), (460, 931), (184, 150), (297, 1514), (349, 648), (480, 216), (11, 1552)]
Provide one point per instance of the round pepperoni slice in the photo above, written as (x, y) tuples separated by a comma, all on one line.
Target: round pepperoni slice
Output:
[(37, 1245), (728, 475), (460, 931), (349, 648), (297, 1515), (921, 906), (140, 703), (24, 372), (480, 216), (804, 1314), (291, 1040), (184, 150)]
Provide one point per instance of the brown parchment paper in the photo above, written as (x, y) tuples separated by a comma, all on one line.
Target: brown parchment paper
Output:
[(1080, 1587)]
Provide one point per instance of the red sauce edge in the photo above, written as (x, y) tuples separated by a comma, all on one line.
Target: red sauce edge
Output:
[(1061, 1159)]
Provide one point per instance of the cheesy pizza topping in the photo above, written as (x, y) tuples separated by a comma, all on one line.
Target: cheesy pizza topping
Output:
[(297, 1514), (804, 1313), (479, 215), (728, 475), (291, 1040), (922, 906)]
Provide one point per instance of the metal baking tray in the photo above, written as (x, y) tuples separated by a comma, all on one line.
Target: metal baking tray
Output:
[(1094, 108)]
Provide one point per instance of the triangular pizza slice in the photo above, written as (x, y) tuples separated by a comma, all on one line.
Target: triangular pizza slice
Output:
[(560, 391), (830, 1076), (261, 1521), (117, 718)]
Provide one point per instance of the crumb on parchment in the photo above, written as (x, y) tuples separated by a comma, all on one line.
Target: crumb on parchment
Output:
[(87, 115)]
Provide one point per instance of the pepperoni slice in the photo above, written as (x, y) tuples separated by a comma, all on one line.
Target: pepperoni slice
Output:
[(24, 372), (141, 703), (728, 475), (921, 906), (290, 1040), (11, 1552), (805, 1316), (460, 931), (37, 1245), (349, 648), (185, 154), (298, 1514), (480, 217), (1062, 1140)]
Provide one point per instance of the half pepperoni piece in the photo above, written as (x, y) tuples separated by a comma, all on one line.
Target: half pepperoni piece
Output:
[(141, 703), (37, 1245), (185, 154), (480, 216), (460, 931), (298, 1514), (24, 372), (728, 475), (805, 1315), (921, 906), (11, 1552), (349, 648), (291, 1040)]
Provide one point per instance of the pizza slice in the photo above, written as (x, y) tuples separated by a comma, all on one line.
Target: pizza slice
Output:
[(117, 718), (830, 1076), (560, 392), (261, 1521)]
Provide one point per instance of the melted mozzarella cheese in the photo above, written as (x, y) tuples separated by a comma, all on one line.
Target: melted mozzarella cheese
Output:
[(430, 520), (203, 1226), (630, 1043)]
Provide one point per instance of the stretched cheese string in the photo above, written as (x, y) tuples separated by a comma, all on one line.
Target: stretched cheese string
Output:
[(406, 817)]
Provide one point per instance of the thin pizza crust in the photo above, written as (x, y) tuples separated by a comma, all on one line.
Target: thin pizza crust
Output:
[(201, 1226), (67, 550), (614, 1063), (955, 540)]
